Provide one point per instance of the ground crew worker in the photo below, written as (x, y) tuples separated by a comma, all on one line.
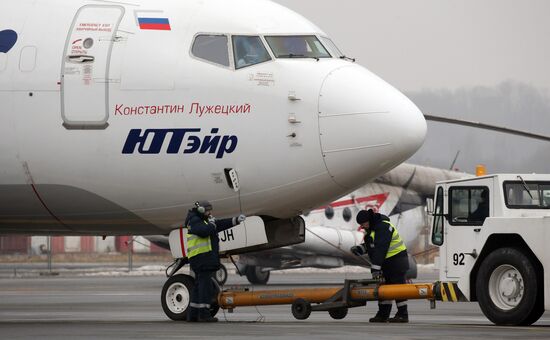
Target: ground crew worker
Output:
[(203, 253), (389, 259)]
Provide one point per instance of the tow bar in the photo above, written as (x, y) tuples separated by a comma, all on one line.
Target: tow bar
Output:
[(337, 300)]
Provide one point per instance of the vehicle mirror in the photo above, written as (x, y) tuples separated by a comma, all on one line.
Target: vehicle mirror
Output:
[(430, 206)]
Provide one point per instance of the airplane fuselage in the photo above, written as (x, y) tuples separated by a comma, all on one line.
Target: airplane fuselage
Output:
[(112, 123)]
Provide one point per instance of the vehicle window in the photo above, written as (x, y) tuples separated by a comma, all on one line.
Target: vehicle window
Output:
[(437, 231), (545, 190), (302, 46), (468, 205), (212, 48), (249, 51), (528, 195), (332, 47)]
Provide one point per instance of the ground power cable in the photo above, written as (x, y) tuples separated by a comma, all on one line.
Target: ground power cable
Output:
[(261, 317), (339, 249)]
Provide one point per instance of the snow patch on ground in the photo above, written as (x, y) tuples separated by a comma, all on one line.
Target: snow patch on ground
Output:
[(151, 270), (159, 270)]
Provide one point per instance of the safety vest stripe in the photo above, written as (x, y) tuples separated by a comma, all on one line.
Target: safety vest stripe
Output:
[(197, 245), (204, 244), (199, 305), (395, 246), (191, 237)]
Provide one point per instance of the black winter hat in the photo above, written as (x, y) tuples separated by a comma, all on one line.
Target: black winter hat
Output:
[(205, 205), (365, 216)]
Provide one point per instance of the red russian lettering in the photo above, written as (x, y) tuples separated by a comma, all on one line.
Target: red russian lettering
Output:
[(117, 109)]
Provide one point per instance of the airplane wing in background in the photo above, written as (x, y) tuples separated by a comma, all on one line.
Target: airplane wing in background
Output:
[(484, 126)]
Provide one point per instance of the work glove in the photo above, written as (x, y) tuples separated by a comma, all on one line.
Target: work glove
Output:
[(239, 219), (377, 274), (212, 219), (358, 250)]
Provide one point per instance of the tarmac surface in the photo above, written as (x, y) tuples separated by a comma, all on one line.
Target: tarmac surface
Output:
[(128, 307)]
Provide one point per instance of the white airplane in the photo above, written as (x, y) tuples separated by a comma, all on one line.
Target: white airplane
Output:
[(118, 116)]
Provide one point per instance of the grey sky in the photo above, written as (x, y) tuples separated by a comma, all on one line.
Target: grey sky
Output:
[(418, 44), (480, 60)]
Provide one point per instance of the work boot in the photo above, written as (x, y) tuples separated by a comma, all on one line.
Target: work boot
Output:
[(192, 315), (379, 319), (209, 319), (398, 318)]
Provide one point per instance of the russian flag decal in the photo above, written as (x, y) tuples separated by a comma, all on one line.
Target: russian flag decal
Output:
[(161, 24)]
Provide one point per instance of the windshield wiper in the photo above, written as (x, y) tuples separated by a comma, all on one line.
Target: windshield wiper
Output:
[(526, 188), (347, 58), (292, 55)]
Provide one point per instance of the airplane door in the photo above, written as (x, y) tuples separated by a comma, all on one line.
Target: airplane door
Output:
[(85, 68)]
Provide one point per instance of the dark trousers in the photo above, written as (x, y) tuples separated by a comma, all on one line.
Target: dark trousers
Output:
[(394, 270), (202, 295)]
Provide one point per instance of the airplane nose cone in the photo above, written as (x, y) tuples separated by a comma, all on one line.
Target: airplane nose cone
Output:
[(366, 126)]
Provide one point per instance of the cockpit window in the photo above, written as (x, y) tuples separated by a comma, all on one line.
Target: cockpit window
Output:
[(297, 46), (332, 47), (212, 48), (249, 51)]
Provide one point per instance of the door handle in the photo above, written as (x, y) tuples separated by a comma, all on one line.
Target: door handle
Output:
[(472, 254), (292, 119), (81, 59)]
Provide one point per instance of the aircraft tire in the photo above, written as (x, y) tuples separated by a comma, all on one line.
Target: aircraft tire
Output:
[(256, 276), (508, 288), (176, 295)]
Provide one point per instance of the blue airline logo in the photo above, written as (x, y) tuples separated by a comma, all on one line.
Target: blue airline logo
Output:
[(179, 141), (8, 38)]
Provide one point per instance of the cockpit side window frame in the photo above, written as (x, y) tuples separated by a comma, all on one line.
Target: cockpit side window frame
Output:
[(229, 50), (334, 54)]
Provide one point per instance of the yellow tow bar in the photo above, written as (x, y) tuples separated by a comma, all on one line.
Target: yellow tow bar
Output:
[(337, 300)]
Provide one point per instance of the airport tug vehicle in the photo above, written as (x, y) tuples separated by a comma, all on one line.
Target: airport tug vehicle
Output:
[(491, 232)]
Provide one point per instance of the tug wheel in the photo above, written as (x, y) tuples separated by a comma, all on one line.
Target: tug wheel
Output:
[(301, 309), (338, 313), (509, 289)]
